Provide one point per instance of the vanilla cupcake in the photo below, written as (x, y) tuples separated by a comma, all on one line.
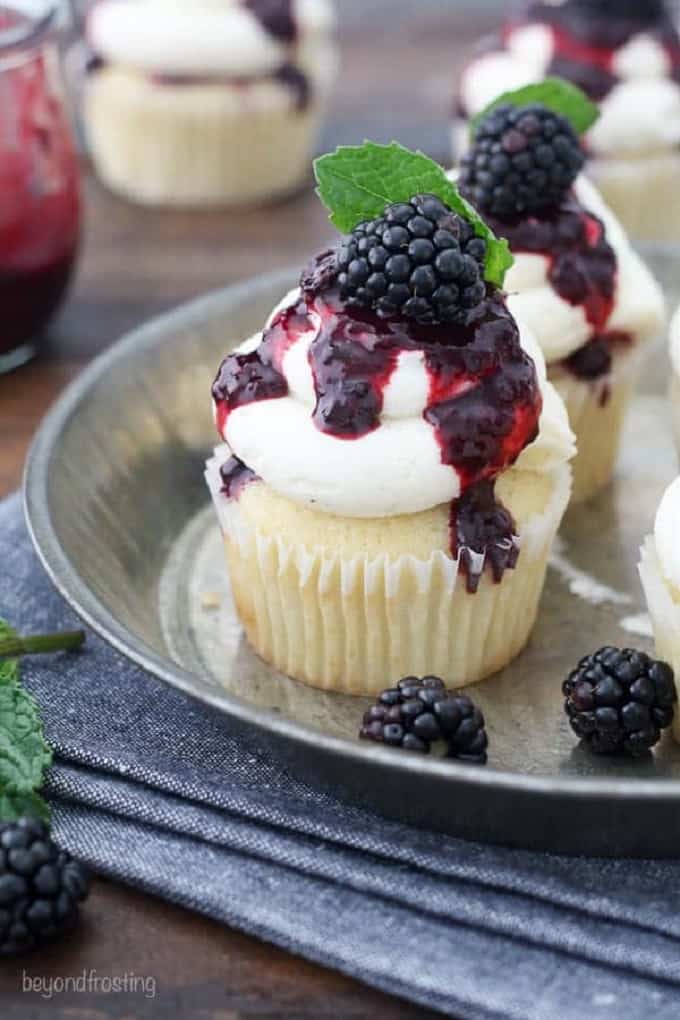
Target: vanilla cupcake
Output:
[(660, 575), (206, 103), (576, 281), (395, 464), (626, 57), (675, 376)]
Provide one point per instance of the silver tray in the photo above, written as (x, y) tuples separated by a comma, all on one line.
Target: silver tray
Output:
[(119, 514)]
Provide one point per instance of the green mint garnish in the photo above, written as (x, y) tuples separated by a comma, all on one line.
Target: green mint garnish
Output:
[(24, 753), (558, 95), (355, 183)]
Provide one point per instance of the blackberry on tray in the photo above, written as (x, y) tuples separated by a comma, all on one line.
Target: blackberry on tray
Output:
[(620, 700), (418, 713)]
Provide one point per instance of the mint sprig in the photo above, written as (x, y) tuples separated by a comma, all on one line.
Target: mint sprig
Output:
[(558, 95), (24, 752), (355, 183)]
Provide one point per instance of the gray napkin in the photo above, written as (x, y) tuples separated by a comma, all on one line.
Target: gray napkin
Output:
[(153, 789)]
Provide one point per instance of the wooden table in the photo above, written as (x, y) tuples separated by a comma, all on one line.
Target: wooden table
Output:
[(396, 82)]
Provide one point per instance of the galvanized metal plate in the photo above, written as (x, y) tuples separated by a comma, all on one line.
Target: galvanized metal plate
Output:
[(119, 513)]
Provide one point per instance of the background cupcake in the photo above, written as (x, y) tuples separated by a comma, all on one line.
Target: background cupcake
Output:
[(625, 54), (396, 464), (208, 102), (660, 575), (576, 281), (675, 375)]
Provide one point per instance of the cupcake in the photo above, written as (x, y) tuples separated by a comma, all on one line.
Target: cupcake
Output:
[(576, 281), (209, 102), (625, 54), (660, 575), (675, 376), (395, 464)]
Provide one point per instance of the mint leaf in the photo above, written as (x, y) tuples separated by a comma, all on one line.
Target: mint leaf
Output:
[(9, 668), (555, 93), (24, 755), (356, 183), (16, 805)]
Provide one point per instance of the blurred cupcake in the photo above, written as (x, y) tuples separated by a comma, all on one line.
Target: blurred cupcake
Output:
[(625, 54), (660, 575), (675, 376), (206, 102), (395, 465), (576, 281)]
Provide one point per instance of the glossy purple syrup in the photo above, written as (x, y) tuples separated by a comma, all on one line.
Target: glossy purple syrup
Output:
[(235, 476), (582, 270), (480, 525), (483, 404)]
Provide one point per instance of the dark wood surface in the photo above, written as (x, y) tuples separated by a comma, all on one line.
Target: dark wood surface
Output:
[(396, 81)]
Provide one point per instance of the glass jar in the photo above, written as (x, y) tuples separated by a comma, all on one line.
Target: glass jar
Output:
[(39, 179)]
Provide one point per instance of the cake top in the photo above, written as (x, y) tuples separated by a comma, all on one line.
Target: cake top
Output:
[(205, 37), (624, 55), (394, 378)]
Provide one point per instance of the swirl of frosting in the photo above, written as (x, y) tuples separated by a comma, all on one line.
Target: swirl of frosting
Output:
[(576, 276), (628, 65), (363, 417), (238, 38), (666, 534)]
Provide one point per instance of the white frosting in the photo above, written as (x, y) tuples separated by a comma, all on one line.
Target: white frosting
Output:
[(667, 534), (395, 469), (198, 37), (640, 115), (675, 342), (560, 327)]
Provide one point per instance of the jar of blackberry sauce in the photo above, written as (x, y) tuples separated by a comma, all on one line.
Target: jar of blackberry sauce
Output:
[(39, 179)]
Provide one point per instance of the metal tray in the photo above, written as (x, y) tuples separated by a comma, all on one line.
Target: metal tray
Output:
[(118, 511)]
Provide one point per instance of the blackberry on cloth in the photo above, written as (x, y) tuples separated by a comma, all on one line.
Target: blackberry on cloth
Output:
[(41, 886)]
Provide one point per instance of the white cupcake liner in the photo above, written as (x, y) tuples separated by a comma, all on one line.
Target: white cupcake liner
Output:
[(664, 612), (597, 422), (197, 145), (355, 625)]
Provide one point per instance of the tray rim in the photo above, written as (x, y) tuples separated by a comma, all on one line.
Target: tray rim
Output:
[(94, 613)]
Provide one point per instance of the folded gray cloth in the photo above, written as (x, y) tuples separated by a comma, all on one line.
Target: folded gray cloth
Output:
[(154, 789)]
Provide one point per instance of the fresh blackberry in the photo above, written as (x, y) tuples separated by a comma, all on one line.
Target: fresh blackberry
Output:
[(524, 160), (40, 886), (620, 700), (419, 260), (420, 712)]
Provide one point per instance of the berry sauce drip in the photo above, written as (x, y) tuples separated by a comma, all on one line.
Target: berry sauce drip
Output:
[(235, 476), (480, 526), (483, 404), (276, 17), (583, 268), (588, 33)]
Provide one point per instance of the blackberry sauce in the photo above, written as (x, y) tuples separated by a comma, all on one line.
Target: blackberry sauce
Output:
[(483, 404), (276, 17), (582, 270), (235, 476), (481, 526), (586, 38)]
